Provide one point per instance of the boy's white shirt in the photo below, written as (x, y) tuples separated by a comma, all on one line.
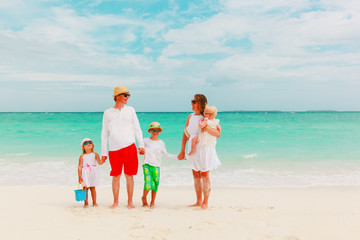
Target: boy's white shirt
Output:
[(119, 129), (154, 150)]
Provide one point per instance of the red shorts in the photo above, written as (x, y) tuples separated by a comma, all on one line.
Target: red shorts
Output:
[(126, 157)]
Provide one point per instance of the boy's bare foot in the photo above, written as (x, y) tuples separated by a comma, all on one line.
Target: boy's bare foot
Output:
[(144, 202), (152, 205), (95, 205), (195, 205), (115, 205), (86, 205)]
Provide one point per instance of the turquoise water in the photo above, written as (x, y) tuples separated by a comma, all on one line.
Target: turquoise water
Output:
[(256, 148)]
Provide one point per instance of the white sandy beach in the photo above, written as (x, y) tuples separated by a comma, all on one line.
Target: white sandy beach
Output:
[(43, 212)]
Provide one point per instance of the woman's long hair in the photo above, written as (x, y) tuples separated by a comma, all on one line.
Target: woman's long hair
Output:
[(202, 100)]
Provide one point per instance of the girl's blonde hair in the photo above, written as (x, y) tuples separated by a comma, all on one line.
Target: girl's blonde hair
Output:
[(211, 109), (92, 150)]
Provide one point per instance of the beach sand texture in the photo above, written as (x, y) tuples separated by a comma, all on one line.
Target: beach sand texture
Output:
[(43, 212)]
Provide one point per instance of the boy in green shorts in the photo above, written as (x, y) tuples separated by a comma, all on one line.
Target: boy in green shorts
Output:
[(154, 150)]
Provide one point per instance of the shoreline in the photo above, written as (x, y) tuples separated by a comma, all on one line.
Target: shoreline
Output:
[(40, 173), (137, 187), (44, 212)]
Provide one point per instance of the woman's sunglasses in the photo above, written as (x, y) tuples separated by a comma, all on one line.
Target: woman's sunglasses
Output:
[(193, 101), (153, 130), (87, 142)]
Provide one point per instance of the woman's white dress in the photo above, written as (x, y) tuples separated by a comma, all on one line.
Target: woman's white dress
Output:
[(193, 129), (206, 147), (89, 171)]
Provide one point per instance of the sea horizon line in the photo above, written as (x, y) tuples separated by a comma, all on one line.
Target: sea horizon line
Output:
[(231, 111)]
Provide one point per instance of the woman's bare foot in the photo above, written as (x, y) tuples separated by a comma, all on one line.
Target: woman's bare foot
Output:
[(144, 201), (115, 205), (191, 152)]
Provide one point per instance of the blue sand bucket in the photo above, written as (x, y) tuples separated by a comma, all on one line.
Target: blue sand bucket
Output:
[(80, 194)]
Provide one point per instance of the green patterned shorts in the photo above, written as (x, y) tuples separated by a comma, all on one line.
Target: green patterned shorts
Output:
[(151, 177)]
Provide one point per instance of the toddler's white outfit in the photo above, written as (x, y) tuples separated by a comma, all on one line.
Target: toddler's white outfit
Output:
[(208, 159)]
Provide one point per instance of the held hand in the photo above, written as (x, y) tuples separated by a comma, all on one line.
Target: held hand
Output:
[(103, 159), (181, 156), (141, 151)]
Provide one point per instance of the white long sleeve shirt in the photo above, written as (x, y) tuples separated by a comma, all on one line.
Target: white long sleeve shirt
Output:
[(154, 150), (119, 129)]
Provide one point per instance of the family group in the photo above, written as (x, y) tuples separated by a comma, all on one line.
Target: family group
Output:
[(120, 129)]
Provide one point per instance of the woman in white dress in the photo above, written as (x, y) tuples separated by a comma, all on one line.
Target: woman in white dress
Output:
[(201, 179)]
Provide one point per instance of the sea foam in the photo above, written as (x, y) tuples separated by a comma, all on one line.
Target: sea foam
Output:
[(64, 173)]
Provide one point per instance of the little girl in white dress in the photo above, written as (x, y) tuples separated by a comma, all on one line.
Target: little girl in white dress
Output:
[(206, 142), (87, 170)]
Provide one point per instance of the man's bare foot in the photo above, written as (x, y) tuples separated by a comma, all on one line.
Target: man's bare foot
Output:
[(115, 205), (204, 206), (152, 205), (195, 205), (143, 199), (130, 205)]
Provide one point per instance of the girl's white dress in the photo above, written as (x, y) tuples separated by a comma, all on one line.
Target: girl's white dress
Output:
[(193, 129), (208, 159), (89, 171)]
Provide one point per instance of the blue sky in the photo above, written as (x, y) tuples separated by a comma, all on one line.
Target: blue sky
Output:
[(242, 54)]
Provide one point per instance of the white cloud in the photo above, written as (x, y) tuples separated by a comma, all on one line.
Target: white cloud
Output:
[(290, 33), (207, 53), (8, 4), (278, 42), (67, 43)]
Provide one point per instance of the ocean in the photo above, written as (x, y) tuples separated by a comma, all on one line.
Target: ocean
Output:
[(257, 149)]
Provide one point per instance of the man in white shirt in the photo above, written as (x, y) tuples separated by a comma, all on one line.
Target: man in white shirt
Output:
[(119, 130)]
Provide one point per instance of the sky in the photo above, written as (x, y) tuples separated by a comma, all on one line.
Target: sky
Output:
[(247, 55)]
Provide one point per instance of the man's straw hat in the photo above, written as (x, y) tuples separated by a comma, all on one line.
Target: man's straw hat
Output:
[(119, 90)]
